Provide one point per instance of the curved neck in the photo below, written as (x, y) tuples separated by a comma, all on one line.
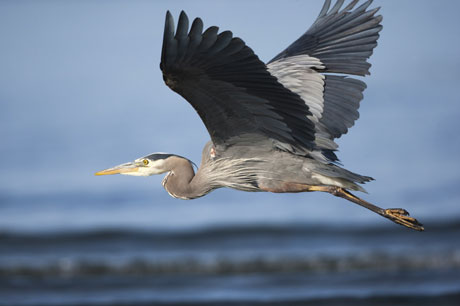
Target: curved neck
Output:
[(181, 181)]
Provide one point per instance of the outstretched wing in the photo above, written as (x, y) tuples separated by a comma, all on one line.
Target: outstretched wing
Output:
[(231, 89), (338, 42)]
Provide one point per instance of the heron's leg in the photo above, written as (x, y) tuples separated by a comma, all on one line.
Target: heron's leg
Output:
[(397, 215)]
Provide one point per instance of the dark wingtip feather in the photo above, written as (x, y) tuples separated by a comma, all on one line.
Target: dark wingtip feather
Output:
[(197, 27), (364, 6), (325, 8), (168, 37), (336, 7), (350, 6), (223, 40), (182, 25), (169, 21), (195, 33)]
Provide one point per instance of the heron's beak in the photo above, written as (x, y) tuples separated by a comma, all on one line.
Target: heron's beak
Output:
[(120, 169)]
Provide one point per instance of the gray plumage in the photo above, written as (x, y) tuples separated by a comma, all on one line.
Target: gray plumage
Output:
[(272, 126)]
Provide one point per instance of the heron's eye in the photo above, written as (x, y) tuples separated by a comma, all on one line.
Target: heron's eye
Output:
[(146, 162)]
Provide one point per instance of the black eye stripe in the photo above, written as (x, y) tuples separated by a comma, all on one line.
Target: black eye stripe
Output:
[(157, 156)]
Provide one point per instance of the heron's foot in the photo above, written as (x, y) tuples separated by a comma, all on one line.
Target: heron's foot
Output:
[(401, 216)]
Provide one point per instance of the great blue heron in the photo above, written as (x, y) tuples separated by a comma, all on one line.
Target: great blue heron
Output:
[(273, 125)]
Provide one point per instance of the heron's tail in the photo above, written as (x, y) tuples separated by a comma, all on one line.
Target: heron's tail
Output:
[(334, 175)]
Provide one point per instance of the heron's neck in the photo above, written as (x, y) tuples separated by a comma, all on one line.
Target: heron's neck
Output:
[(181, 181)]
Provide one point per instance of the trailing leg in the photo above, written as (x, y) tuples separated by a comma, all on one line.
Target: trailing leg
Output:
[(397, 215)]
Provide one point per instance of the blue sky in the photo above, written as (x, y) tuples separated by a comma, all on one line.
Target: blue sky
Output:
[(81, 90)]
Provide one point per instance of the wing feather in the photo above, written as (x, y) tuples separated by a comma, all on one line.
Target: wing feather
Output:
[(339, 26), (339, 41), (231, 89)]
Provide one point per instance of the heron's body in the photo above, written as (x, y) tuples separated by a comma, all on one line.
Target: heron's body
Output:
[(257, 168), (273, 125)]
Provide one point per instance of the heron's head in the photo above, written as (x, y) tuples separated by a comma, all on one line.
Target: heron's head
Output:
[(155, 163)]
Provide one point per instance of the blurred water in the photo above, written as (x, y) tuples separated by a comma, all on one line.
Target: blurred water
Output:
[(94, 249), (223, 264), (80, 91)]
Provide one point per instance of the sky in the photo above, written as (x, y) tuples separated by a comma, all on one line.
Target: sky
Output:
[(81, 91)]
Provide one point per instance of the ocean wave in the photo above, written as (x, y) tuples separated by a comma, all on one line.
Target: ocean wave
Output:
[(222, 232), (222, 265), (418, 299), (228, 250)]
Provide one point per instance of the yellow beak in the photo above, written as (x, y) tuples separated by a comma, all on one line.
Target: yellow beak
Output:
[(120, 169)]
